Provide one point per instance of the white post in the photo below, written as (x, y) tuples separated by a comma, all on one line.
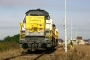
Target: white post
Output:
[(76, 36), (65, 30), (71, 29)]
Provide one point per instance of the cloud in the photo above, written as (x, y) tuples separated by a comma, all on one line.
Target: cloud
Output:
[(32, 3), (78, 9), (9, 27), (8, 23)]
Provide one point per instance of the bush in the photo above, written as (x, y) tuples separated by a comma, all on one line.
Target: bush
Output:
[(5, 46), (9, 43), (14, 38)]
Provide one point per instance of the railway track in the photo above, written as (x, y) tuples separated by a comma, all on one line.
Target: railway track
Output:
[(26, 54), (39, 56), (35, 55), (15, 56)]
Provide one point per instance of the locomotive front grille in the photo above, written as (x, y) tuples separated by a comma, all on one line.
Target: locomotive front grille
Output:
[(34, 38)]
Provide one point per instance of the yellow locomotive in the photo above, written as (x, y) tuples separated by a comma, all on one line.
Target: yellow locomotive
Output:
[(38, 31)]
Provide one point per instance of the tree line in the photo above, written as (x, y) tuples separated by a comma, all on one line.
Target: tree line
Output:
[(14, 38)]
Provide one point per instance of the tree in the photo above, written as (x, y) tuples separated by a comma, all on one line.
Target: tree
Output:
[(14, 38)]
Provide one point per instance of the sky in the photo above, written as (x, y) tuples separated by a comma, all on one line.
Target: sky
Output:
[(12, 12)]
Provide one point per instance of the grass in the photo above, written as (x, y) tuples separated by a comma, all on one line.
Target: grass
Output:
[(9, 53), (80, 52), (8, 49), (5, 46)]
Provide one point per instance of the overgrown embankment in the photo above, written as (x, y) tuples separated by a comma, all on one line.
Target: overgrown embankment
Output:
[(9, 42)]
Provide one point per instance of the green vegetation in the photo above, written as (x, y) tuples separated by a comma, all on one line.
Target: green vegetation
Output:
[(14, 38), (9, 43)]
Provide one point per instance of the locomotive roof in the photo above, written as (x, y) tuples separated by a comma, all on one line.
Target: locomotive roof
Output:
[(37, 11)]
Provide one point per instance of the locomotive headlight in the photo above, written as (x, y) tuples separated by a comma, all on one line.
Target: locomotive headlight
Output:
[(41, 32), (27, 32)]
